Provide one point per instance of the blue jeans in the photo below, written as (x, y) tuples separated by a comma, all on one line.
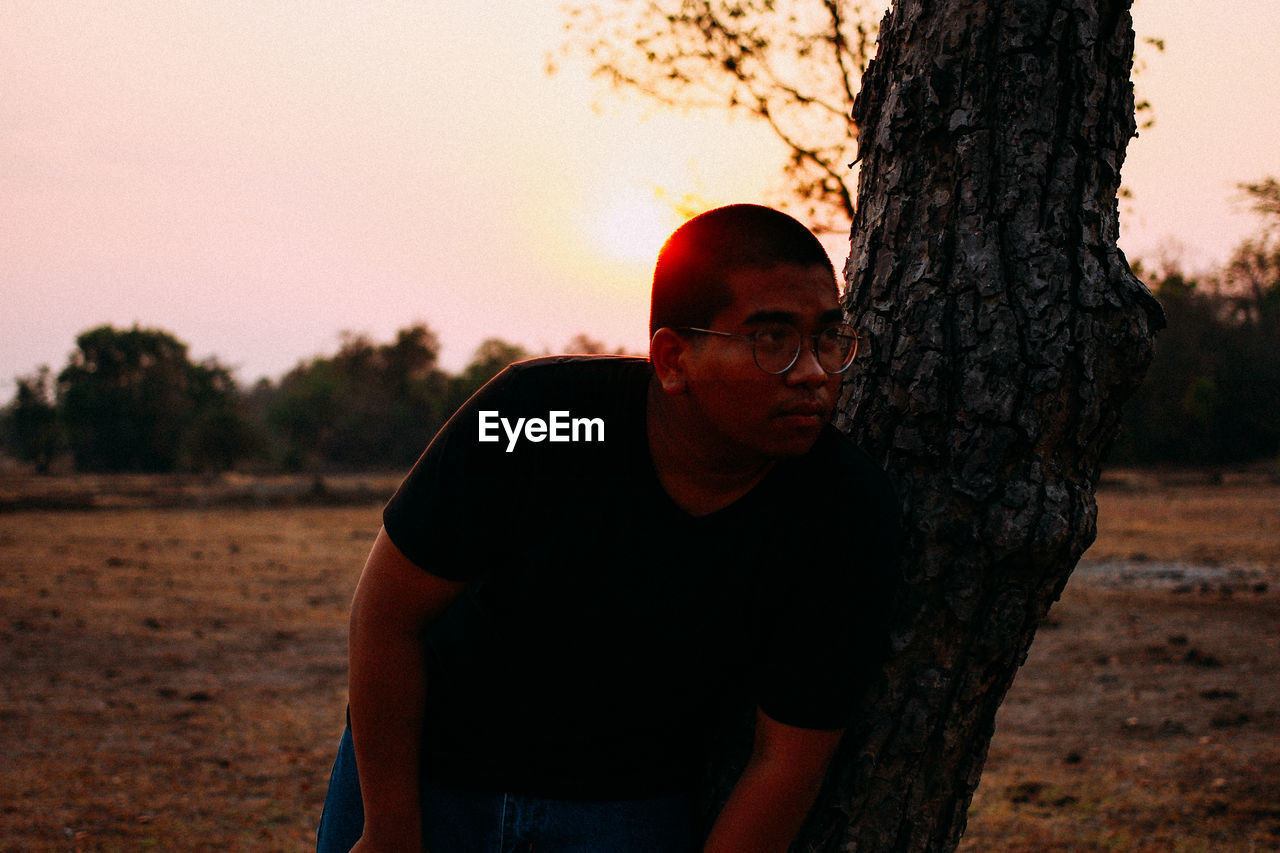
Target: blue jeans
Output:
[(469, 822)]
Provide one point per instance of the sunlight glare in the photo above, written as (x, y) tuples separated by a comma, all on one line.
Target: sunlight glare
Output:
[(632, 228)]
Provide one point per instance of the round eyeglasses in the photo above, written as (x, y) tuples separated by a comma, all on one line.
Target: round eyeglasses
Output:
[(777, 348)]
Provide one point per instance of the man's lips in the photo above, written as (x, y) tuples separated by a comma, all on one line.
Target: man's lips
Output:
[(806, 414), (807, 408)]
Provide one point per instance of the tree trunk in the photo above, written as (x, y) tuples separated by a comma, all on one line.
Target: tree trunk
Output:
[(1005, 331)]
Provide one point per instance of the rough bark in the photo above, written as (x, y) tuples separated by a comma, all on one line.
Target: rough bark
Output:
[(1006, 329)]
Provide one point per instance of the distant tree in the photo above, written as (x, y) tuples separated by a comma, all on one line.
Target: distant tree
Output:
[(368, 406), (300, 412), (31, 427), (1249, 287), (1253, 274), (219, 432), (587, 345), (1213, 392), (490, 358), (1265, 197), (128, 398), (418, 391), (487, 361), (1171, 417)]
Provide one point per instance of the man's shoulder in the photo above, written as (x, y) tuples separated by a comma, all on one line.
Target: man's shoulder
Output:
[(526, 440), (558, 367), (587, 381)]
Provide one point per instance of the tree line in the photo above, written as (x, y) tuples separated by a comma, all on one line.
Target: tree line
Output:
[(134, 400), (1212, 394)]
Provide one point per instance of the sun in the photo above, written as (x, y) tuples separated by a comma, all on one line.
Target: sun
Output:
[(631, 228)]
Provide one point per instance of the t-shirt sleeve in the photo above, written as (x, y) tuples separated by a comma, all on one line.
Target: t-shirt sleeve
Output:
[(830, 632), (442, 515)]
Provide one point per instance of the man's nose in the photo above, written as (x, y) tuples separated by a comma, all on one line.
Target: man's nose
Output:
[(806, 370)]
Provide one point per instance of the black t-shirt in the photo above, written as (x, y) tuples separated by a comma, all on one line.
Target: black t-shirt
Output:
[(604, 626)]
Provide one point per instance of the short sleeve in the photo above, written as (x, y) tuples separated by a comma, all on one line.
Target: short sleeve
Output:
[(442, 515), (483, 486)]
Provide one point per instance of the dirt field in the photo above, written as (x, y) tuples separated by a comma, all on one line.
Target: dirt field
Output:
[(174, 679)]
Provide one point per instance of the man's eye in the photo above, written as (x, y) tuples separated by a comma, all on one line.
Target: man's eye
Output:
[(835, 336), (774, 336)]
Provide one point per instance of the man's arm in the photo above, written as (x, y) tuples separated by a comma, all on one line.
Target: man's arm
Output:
[(395, 601), (775, 791)]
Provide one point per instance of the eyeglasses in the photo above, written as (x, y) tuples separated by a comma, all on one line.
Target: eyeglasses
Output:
[(777, 348)]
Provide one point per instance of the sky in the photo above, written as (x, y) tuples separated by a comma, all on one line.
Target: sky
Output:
[(258, 177)]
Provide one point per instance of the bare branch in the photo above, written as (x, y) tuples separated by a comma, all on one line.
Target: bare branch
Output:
[(770, 60)]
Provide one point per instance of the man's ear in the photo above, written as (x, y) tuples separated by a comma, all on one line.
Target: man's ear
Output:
[(666, 353)]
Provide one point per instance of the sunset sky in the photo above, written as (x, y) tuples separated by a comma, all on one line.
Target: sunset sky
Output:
[(256, 177)]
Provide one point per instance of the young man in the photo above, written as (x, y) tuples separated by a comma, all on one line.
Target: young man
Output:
[(597, 557)]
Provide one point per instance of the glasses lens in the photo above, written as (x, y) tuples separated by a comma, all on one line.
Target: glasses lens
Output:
[(836, 348), (776, 348)]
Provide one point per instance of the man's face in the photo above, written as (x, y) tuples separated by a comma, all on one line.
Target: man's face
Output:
[(749, 412)]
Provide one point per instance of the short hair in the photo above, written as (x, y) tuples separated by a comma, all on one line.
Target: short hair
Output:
[(691, 277)]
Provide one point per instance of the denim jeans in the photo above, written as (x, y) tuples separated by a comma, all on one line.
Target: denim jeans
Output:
[(470, 822)]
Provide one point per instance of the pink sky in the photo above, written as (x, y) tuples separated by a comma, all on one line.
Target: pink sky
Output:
[(257, 177)]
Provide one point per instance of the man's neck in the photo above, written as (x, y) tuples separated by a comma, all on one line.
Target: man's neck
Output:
[(699, 473)]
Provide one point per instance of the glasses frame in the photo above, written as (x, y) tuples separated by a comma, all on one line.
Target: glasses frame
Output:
[(813, 347)]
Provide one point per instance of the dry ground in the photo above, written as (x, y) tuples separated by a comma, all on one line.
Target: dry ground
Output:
[(173, 679), (1147, 716)]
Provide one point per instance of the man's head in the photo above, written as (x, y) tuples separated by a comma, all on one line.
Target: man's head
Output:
[(726, 283), (690, 280)]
